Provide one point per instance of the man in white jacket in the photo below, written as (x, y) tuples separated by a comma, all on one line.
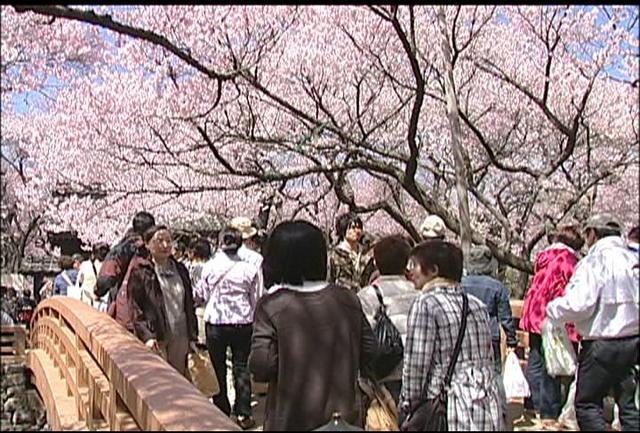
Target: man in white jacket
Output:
[(602, 300)]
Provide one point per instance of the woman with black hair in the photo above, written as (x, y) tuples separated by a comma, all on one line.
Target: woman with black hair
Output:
[(230, 288), (160, 299), (435, 321), (310, 337)]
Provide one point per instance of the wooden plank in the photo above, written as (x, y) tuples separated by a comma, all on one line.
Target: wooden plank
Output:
[(517, 306), (62, 411)]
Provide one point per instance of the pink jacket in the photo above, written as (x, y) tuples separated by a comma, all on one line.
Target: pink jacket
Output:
[(553, 268)]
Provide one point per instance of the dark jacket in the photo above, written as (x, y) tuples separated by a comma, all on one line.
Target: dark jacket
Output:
[(496, 297), (345, 272), (146, 303), (309, 346), (115, 265)]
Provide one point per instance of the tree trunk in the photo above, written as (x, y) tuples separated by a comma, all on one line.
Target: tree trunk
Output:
[(456, 135)]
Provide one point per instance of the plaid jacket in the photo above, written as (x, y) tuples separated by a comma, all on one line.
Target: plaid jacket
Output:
[(432, 330)]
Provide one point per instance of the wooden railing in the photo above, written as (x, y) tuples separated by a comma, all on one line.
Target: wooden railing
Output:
[(13, 341), (93, 374)]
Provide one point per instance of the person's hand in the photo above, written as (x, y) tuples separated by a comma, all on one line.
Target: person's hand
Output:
[(152, 344), (193, 347)]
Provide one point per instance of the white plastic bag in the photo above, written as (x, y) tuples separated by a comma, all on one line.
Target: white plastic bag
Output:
[(559, 355), (568, 414), (515, 384)]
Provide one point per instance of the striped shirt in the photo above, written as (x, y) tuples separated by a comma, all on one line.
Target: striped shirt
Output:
[(432, 329), (398, 294)]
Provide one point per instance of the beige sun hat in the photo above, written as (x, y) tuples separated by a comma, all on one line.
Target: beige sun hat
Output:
[(245, 226), (432, 227)]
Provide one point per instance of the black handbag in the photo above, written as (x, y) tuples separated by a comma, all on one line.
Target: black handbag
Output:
[(390, 347), (431, 415)]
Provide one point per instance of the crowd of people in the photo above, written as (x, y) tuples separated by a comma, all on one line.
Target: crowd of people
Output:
[(299, 315)]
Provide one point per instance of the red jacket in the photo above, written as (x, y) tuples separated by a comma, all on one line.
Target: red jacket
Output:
[(554, 267)]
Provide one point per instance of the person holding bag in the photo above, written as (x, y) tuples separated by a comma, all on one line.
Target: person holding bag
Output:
[(311, 339), (386, 302), (449, 381), (159, 300), (230, 288)]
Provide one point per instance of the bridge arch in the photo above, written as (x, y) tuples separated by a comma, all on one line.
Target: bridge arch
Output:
[(94, 375)]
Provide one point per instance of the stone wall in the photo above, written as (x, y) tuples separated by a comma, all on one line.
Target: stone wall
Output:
[(22, 408)]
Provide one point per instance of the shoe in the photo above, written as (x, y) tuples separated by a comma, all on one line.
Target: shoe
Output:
[(551, 424), (246, 422), (523, 421)]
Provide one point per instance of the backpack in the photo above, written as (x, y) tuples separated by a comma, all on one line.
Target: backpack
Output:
[(119, 307), (391, 349)]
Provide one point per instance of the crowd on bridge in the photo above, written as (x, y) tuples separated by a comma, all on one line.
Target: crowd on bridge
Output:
[(417, 320)]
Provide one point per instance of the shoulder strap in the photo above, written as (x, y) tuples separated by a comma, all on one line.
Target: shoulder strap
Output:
[(461, 331), (219, 280), (93, 265), (378, 293), (66, 278), (456, 349)]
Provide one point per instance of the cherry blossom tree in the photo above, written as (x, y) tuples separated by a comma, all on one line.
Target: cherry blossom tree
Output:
[(304, 111)]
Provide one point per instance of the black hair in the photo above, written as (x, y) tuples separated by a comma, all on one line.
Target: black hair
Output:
[(100, 251), (230, 240), (344, 221), (391, 254), (634, 234), (151, 231), (570, 235), (295, 252), (65, 262), (447, 257), (142, 222), (201, 248)]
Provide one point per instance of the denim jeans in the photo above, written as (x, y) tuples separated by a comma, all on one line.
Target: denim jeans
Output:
[(546, 395), (604, 365), (238, 337)]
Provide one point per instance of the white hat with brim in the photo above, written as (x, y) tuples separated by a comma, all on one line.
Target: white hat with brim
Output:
[(432, 227), (244, 226)]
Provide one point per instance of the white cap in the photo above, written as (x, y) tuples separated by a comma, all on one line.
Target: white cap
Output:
[(432, 227)]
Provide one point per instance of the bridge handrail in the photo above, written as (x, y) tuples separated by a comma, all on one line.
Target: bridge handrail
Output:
[(114, 376), (13, 340)]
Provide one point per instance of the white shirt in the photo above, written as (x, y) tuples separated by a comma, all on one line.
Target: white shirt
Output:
[(230, 287), (250, 256), (306, 287), (89, 279), (602, 296)]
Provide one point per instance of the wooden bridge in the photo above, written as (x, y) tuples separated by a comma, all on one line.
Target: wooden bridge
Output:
[(94, 375)]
